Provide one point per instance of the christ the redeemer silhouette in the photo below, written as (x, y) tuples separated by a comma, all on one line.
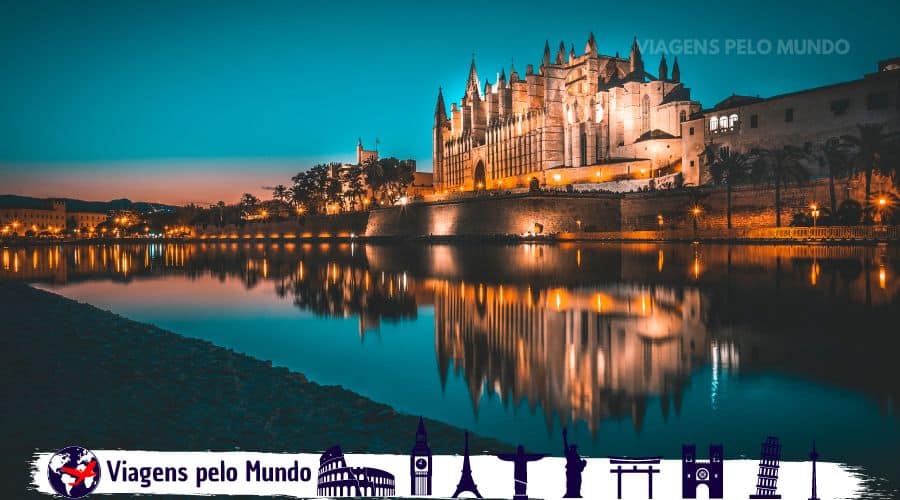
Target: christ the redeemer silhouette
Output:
[(520, 473)]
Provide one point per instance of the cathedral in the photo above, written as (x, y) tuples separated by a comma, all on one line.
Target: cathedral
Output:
[(585, 120)]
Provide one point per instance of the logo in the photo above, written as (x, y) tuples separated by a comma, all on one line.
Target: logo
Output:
[(74, 472)]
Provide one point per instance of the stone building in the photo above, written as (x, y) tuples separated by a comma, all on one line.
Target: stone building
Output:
[(807, 119), (578, 119), (598, 122), (34, 217)]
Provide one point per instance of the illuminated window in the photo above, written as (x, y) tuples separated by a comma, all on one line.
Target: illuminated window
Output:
[(732, 120), (598, 112), (713, 123), (723, 122)]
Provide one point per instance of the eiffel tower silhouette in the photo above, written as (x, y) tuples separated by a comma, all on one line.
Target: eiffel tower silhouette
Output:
[(466, 483)]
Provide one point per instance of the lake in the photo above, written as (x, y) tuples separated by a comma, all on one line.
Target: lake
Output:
[(636, 348)]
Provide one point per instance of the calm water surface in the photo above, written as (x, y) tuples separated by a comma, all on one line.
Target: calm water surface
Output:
[(636, 347)]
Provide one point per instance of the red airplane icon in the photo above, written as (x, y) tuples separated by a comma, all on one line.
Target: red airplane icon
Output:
[(81, 475)]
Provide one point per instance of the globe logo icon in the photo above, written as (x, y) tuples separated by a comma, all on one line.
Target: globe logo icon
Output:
[(74, 472)]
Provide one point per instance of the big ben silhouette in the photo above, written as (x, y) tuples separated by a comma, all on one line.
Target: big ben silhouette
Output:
[(420, 463)]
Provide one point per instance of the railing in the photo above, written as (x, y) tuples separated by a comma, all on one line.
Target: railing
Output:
[(826, 233)]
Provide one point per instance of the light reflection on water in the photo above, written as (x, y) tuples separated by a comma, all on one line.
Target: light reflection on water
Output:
[(638, 347)]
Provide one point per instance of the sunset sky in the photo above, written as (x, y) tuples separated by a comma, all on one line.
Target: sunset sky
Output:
[(201, 100)]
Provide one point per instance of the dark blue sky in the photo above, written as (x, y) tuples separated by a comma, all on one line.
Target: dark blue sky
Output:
[(92, 87)]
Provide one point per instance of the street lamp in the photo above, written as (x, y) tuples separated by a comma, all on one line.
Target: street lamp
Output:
[(814, 210), (696, 215)]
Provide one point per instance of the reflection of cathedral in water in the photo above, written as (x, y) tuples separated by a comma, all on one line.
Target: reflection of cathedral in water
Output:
[(582, 354)]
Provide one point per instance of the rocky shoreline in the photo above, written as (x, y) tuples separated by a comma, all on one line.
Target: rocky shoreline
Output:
[(80, 375)]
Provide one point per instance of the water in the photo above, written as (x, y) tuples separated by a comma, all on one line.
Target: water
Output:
[(637, 348)]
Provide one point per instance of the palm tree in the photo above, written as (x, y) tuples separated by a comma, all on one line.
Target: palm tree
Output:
[(780, 167), (728, 168), (280, 193), (834, 158), (870, 146)]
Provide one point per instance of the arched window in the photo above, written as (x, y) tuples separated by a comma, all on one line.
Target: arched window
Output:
[(713, 123), (723, 122), (583, 147), (645, 114), (732, 120), (598, 110), (682, 116)]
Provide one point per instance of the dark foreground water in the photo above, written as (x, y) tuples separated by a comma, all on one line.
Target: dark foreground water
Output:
[(637, 348)]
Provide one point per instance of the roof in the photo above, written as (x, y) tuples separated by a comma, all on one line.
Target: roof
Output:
[(655, 134), (737, 100)]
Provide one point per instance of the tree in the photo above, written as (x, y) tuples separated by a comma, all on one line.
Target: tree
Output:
[(375, 177), (834, 158), (727, 168), (780, 167), (354, 185), (280, 193), (869, 147), (249, 202)]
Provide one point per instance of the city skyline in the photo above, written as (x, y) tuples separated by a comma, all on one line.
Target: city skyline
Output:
[(220, 100)]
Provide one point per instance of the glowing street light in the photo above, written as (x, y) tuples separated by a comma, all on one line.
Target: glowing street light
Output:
[(696, 215), (814, 210)]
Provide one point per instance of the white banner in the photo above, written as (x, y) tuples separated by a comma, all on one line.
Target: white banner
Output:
[(296, 475)]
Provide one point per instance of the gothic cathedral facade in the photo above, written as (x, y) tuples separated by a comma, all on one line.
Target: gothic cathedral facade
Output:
[(579, 119)]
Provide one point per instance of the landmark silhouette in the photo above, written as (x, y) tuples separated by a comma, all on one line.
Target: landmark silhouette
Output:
[(420, 463), (634, 462), (520, 460), (574, 467), (694, 473), (814, 455), (466, 483), (767, 478)]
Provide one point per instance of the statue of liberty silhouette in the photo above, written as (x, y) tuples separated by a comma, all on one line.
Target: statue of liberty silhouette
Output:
[(574, 467)]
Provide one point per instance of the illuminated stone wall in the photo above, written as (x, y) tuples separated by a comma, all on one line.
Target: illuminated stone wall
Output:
[(752, 207), (498, 216)]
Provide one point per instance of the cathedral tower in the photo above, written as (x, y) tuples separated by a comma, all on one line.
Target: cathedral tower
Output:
[(438, 137)]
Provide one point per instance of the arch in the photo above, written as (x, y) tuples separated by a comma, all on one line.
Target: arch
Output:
[(479, 176), (732, 120), (713, 123), (534, 184), (723, 121)]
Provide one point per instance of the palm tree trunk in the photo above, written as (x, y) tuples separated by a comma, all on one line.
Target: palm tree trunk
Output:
[(831, 193), (777, 203), (728, 206), (869, 171)]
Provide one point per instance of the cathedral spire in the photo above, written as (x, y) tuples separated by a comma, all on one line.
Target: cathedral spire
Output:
[(440, 111), (513, 74), (676, 71), (663, 69), (572, 52), (546, 60), (637, 64), (591, 46), (561, 54), (472, 83)]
